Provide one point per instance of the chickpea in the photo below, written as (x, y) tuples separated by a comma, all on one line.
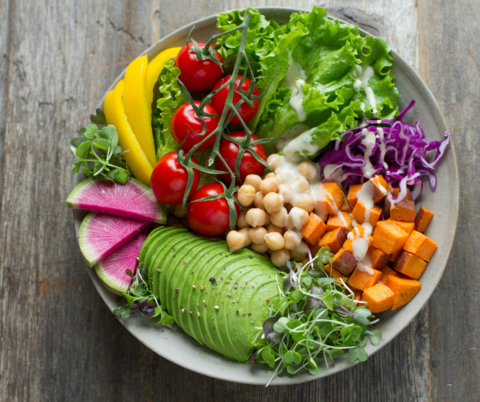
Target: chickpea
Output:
[(255, 217), (297, 255), (285, 191), (257, 235), (267, 219), (274, 160), (253, 180), (274, 176), (279, 257), (179, 212), (305, 202), (302, 185), (258, 201), (272, 228), (292, 239), (259, 248), (273, 202), (279, 218), (235, 240), (307, 169), (274, 241), (244, 231), (246, 195), (241, 221), (269, 185), (299, 217)]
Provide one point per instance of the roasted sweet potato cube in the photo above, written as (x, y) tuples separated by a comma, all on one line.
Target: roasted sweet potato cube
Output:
[(379, 298), (409, 264), (396, 191), (344, 262), (334, 273), (334, 239), (357, 232), (395, 255), (405, 289), (336, 221), (314, 249), (424, 216), (313, 229), (329, 198), (352, 191), (388, 237), (364, 279), (407, 226), (420, 245), (403, 211), (360, 214), (378, 258), (386, 272), (377, 187), (345, 208), (357, 296), (387, 204)]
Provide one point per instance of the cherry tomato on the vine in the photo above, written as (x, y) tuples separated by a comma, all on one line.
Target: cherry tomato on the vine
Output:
[(197, 76), (246, 111), (169, 180), (184, 120), (248, 164), (209, 218)]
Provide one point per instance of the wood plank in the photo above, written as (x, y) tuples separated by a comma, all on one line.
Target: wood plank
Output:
[(449, 64)]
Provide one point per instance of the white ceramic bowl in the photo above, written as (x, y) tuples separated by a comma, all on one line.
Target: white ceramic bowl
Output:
[(176, 346)]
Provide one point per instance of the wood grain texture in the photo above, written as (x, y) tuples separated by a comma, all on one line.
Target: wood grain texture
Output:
[(58, 339)]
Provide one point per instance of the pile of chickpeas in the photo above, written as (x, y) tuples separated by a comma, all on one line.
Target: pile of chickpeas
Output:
[(270, 223)]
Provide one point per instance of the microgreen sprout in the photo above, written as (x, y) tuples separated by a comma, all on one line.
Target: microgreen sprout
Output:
[(314, 319)]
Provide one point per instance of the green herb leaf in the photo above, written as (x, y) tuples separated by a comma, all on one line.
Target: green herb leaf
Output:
[(375, 336), (98, 118), (268, 357), (357, 354)]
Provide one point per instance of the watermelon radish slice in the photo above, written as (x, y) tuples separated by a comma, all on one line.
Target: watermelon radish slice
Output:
[(112, 270), (102, 234), (131, 200)]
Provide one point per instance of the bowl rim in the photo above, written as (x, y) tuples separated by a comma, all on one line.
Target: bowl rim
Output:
[(437, 116)]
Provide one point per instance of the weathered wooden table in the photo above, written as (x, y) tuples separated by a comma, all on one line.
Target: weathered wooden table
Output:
[(58, 339)]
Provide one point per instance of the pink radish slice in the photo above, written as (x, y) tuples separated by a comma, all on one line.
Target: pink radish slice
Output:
[(112, 270), (131, 200), (101, 234)]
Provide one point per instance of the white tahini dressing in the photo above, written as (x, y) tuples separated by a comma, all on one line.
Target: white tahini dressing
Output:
[(302, 145), (289, 135), (362, 267), (368, 142), (294, 72), (363, 76), (296, 99)]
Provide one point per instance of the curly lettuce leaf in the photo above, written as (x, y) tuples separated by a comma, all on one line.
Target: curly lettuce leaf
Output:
[(168, 98)]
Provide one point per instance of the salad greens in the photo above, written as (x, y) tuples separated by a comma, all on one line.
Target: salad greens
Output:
[(315, 319), (98, 152), (169, 98), (337, 67)]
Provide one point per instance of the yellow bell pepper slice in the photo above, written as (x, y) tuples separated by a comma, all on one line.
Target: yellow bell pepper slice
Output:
[(138, 111), (154, 69), (135, 157)]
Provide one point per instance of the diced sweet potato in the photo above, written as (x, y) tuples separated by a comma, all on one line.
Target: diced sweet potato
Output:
[(420, 245), (424, 216), (396, 191), (379, 298), (357, 296), (378, 258), (387, 204), (358, 214), (352, 200), (345, 208), (403, 211), (334, 239), (395, 255), (409, 264), (386, 272), (334, 273), (388, 237), (405, 289), (378, 187), (313, 248), (407, 226), (335, 221), (330, 198), (363, 280), (314, 229), (358, 232), (344, 262)]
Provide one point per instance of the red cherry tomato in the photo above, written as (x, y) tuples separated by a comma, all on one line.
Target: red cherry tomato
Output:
[(184, 121), (209, 218), (245, 111), (197, 76), (169, 180), (248, 164)]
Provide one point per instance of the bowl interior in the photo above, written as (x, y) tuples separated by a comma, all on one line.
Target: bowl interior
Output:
[(176, 346)]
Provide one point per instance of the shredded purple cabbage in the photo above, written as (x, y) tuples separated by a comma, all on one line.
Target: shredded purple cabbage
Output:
[(400, 155)]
